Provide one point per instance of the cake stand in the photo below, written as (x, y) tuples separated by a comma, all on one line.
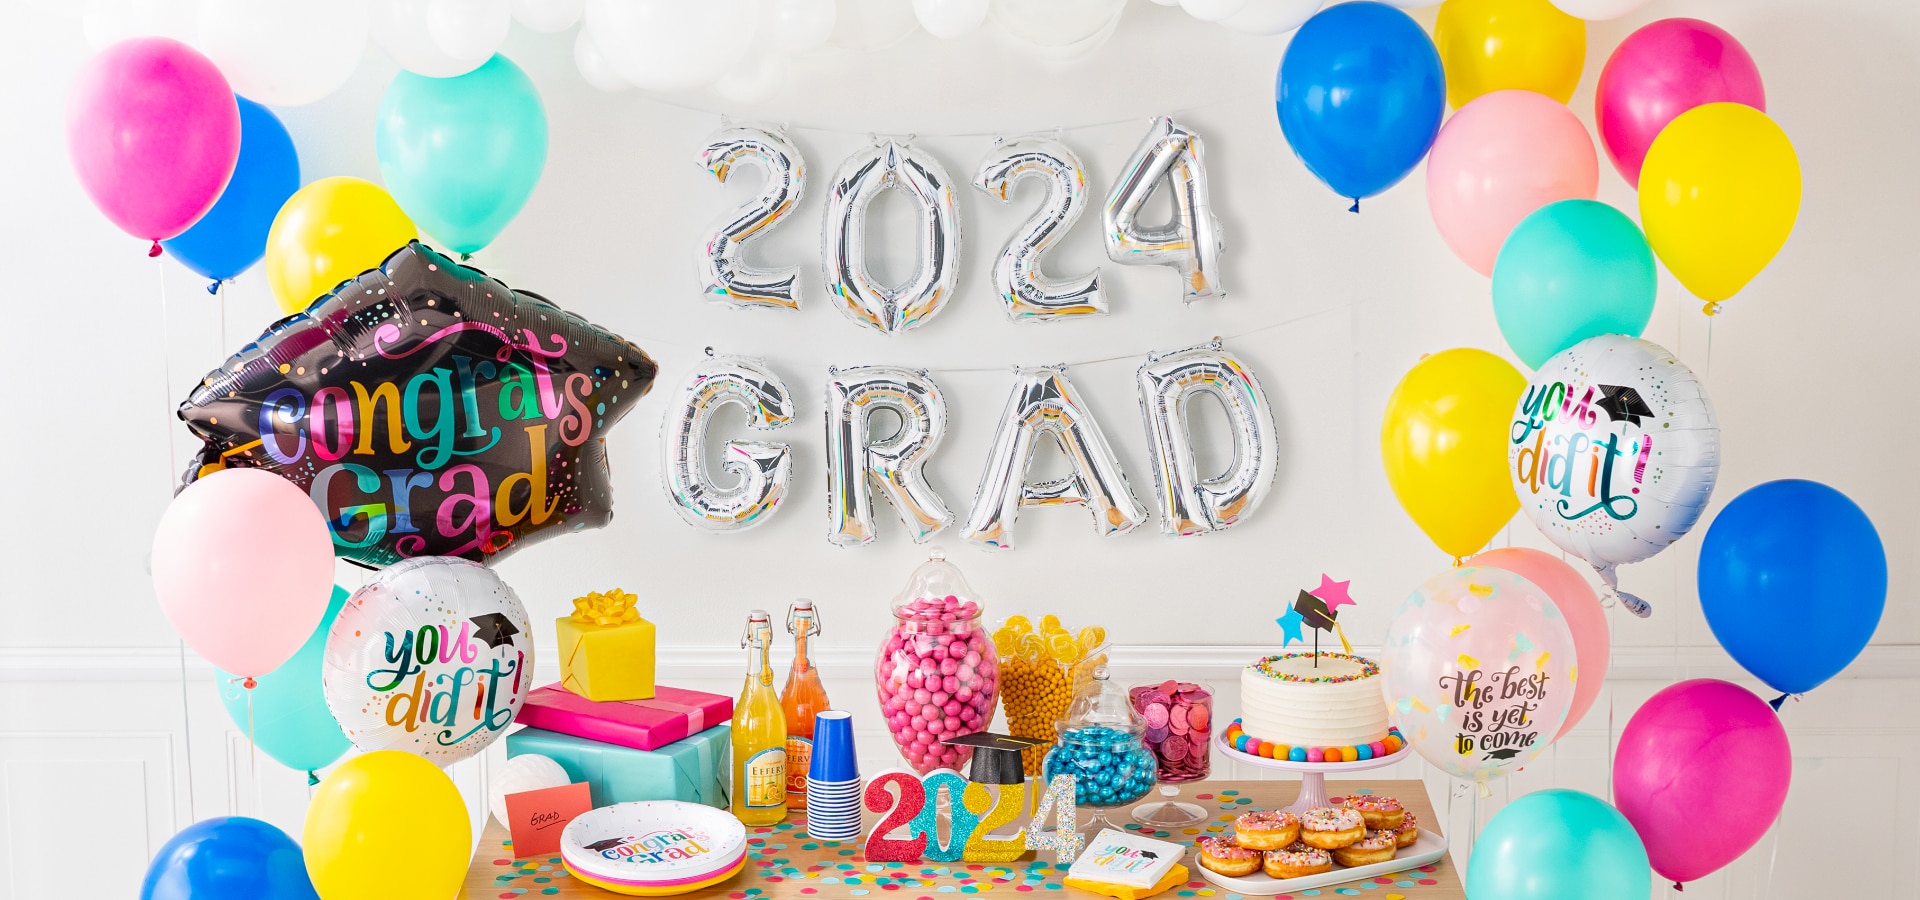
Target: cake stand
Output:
[(1313, 776)]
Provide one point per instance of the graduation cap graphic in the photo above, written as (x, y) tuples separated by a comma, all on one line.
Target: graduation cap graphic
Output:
[(494, 628), (1507, 753), (1623, 404), (606, 844)]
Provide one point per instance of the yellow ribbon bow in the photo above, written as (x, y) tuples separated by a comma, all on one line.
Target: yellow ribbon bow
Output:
[(614, 607)]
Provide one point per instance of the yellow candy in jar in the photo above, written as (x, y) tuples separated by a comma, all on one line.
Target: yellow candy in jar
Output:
[(1049, 622), (1064, 649), (1033, 647), (1018, 624)]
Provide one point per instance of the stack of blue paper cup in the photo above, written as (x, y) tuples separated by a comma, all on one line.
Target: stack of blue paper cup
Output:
[(833, 779)]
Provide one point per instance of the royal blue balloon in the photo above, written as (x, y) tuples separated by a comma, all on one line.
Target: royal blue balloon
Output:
[(1793, 580), (229, 858), (1360, 96), (232, 236)]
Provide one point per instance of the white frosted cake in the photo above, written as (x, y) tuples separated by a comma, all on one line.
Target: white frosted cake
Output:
[(1290, 700)]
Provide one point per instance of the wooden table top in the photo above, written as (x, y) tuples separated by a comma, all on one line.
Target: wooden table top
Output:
[(784, 864)]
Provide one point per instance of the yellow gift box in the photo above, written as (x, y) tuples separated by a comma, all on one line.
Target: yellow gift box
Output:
[(606, 649)]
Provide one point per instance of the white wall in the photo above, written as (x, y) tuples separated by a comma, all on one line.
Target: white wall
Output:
[(1328, 308)]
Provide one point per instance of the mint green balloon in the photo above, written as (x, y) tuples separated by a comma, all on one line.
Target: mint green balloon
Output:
[(1559, 845), (290, 718), (462, 154), (1571, 270)]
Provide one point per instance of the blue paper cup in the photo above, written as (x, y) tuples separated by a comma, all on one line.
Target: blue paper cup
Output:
[(833, 754)]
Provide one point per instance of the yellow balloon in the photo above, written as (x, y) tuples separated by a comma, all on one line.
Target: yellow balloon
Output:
[(1497, 45), (385, 825), (330, 231), (1444, 442), (1718, 195)]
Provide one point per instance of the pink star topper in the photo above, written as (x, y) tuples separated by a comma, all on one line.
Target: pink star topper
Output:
[(1333, 592)]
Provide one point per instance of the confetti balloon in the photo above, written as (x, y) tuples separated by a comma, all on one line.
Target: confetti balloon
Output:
[(1478, 671), (428, 410), (432, 657), (1613, 450)]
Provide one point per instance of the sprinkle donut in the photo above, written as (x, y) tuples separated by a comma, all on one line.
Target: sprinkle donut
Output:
[(1379, 812), (1227, 858), (1330, 828), (1377, 847), (1296, 861), (1266, 830), (1408, 832)]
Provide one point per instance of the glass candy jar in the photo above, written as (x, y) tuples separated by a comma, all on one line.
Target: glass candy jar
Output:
[(1101, 747), (937, 676)]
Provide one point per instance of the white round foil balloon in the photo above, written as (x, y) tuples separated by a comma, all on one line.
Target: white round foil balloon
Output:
[(1614, 450), (433, 656), (283, 52)]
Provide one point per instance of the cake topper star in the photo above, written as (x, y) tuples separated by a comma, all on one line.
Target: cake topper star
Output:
[(1333, 592), (1290, 627)]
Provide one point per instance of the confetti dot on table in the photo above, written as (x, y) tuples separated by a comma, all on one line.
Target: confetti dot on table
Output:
[(1229, 793), (1310, 892), (1347, 892), (1203, 796), (1428, 881), (503, 862), (1428, 868), (542, 880), (809, 890), (1235, 897), (947, 889), (859, 892), (1396, 897), (1243, 801), (508, 896)]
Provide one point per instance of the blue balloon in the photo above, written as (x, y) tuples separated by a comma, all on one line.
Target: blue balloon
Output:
[(291, 722), (1360, 96), (229, 858), (1559, 845), (1793, 580), (232, 236)]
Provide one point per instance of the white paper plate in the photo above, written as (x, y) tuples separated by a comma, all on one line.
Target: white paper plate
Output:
[(1429, 848), (654, 842)]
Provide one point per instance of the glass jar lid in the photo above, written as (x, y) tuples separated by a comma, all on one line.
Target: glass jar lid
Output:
[(936, 591), (1101, 702)]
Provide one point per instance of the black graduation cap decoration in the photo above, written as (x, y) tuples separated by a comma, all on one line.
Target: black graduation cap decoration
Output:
[(1504, 753), (606, 843), (1314, 610), (1623, 404), (494, 628), (996, 757)]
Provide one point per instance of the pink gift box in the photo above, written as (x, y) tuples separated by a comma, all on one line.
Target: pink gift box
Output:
[(671, 715)]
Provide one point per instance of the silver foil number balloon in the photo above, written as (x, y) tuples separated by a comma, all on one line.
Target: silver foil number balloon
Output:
[(856, 465), (725, 275), (1191, 244), (761, 470), (899, 166), (1190, 504), (1044, 403), (1029, 295)]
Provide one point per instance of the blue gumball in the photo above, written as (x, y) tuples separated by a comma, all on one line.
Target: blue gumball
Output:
[(1360, 96), (1559, 845), (232, 236), (1793, 580), (228, 858)]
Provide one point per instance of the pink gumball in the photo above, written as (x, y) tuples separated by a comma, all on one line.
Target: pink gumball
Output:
[(153, 131), (963, 694), (952, 709), (950, 684), (1701, 751), (949, 666), (1661, 71), (1499, 158), (243, 566)]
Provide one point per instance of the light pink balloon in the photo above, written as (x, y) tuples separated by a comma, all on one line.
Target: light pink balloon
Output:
[(153, 132), (1499, 158), (1701, 772), (1661, 71), (1578, 605), (243, 564)]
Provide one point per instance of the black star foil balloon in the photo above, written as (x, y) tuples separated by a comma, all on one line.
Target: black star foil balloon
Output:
[(428, 410)]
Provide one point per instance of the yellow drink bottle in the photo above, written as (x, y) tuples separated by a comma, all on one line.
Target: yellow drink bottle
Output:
[(759, 734), (802, 699)]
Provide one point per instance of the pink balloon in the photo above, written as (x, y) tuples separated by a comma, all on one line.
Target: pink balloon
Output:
[(1701, 772), (1499, 158), (1578, 605), (153, 131), (243, 564), (1661, 71)]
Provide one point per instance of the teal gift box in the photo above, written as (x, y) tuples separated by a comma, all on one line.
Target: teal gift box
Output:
[(695, 769)]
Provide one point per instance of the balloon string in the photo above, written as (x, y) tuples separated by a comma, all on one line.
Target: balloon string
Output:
[(253, 755), (166, 433)]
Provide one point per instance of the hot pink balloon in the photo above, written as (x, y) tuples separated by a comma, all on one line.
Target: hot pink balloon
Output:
[(1701, 772), (1499, 158), (243, 564), (1661, 71), (153, 131), (1578, 605)]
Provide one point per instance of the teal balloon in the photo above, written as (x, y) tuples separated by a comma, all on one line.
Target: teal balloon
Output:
[(1569, 271), (290, 718), (1559, 845), (461, 155)]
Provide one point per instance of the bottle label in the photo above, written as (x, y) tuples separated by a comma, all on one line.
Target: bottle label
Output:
[(799, 758), (766, 774)]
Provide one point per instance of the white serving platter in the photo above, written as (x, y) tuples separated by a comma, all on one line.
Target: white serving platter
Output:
[(1429, 848)]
